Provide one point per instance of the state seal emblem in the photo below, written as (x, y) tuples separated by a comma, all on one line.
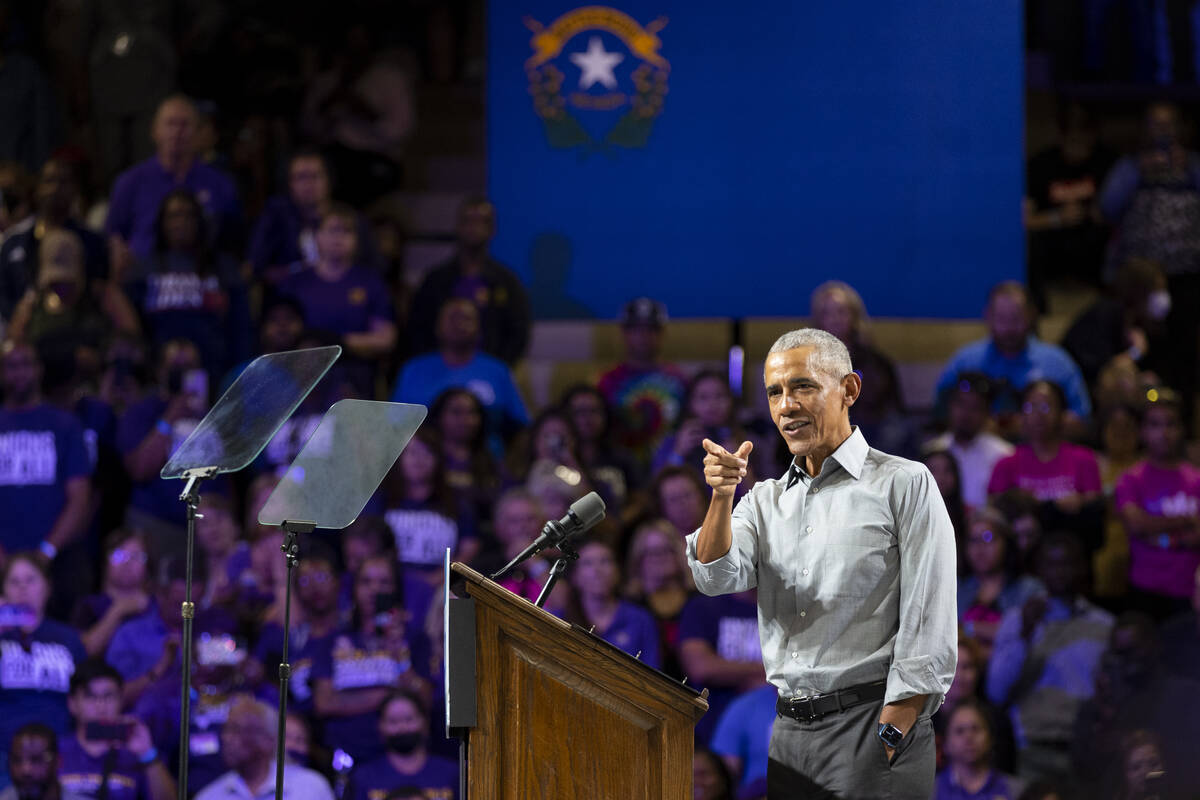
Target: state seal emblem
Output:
[(597, 78)]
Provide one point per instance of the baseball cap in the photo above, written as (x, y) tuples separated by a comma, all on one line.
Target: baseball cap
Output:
[(643, 311)]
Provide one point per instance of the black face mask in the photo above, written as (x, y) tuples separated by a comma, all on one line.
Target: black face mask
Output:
[(405, 743)]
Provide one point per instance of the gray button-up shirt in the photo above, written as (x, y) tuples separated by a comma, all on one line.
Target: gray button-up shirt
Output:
[(855, 570)]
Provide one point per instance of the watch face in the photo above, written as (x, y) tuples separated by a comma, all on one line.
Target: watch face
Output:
[(890, 735)]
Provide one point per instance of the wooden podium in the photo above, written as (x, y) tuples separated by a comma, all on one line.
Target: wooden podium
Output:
[(547, 710)]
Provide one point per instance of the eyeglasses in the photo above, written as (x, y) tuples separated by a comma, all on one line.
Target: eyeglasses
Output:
[(1041, 408), (984, 537), (315, 579), (121, 556)]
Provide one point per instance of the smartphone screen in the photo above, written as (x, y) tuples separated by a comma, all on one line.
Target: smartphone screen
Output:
[(195, 386)]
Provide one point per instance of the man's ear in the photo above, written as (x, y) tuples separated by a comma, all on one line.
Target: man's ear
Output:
[(851, 388)]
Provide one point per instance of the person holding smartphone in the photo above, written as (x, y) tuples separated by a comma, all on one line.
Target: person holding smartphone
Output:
[(107, 748), (353, 672)]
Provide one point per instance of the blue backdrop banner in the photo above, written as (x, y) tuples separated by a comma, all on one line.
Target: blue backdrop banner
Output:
[(728, 157)]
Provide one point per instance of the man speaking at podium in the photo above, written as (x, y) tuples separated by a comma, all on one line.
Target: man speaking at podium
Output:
[(853, 555)]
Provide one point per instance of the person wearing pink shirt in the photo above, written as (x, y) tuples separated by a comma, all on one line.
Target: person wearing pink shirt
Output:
[(1159, 500), (1064, 478)]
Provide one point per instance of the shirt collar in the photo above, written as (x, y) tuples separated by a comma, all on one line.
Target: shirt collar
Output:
[(850, 456)]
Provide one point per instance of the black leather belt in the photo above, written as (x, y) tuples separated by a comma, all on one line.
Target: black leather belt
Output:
[(810, 709)]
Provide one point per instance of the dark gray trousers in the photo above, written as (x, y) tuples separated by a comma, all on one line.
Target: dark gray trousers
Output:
[(840, 757)]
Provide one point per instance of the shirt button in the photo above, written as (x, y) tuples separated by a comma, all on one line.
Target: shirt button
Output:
[(804, 572), (795, 655), (808, 529), (816, 489), (804, 613)]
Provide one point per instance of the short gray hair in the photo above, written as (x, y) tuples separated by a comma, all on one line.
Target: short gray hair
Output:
[(829, 354)]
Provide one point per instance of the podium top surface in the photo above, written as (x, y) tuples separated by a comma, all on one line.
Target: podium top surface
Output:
[(480, 585)]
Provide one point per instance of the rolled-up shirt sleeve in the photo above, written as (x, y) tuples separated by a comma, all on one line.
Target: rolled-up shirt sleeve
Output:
[(737, 570), (926, 648)]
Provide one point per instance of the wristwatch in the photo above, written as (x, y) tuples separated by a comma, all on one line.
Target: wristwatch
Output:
[(890, 735)]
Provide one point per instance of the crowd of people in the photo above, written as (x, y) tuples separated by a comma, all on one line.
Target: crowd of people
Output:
[(1066, 469)]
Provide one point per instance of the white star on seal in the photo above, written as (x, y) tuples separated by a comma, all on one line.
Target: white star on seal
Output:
[(597, 65)]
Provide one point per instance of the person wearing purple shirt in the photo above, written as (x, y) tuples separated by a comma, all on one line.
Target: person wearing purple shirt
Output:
[(216, 671), (152, 428), (594, 604), (45, 472), (37, 655), (354, 672), (343, 298), (186, 290), (317, 598), (406, 763), (285, 233), (720, 650), (968, 774), (130, 765), (139, 191), (1159, 503)]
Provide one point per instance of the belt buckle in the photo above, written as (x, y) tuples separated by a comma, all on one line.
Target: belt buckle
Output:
[(805, 716)]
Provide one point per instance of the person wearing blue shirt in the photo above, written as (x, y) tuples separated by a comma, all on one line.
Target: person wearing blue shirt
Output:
[(1013, 357), (459, 362), (139, 191), (743, 734), (45, 471)]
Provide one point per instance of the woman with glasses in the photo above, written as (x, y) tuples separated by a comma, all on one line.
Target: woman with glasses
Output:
[(991, 583), (315, 620)]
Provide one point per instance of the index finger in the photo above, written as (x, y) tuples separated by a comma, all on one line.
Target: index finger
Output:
[(715, 449)]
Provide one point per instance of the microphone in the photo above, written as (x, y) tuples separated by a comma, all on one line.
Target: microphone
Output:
[(583, 514)]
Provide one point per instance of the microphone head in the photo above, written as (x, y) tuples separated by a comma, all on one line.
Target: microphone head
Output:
[(587, 511)]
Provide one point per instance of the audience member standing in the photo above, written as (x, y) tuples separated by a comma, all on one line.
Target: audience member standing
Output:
[(55, 197), (1066, 234), (974, 447), (185, 289), (645, 393), (1012, 357), (45, 472), (1153, 197), (1063, 477), (838, 309), (460, 362), (285, 235), (473, 274), (343, 298), (1159, 502), (38, 655), (138, 192)]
